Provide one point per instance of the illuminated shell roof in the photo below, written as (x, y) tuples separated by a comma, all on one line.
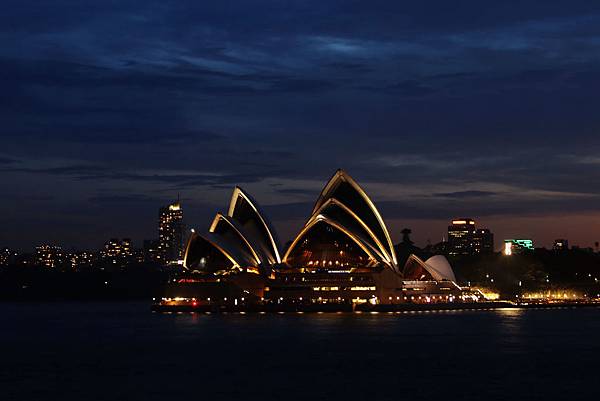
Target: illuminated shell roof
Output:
[(440, 265), (320, 219), (201, 251), (435, 268), (244, 237), (346, 206), (343, 188), (229, 230), (255, 226)]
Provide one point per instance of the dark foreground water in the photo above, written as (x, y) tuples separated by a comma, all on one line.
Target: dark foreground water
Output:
[(114, 351)]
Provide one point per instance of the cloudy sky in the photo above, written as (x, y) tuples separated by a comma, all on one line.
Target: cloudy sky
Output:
[(439, 109)]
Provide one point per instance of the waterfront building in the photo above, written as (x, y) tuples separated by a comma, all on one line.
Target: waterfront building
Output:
[(170, 234), (517, 246), (342, 254)]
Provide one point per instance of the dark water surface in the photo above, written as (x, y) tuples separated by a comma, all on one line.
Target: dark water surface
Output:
[(122, 351)]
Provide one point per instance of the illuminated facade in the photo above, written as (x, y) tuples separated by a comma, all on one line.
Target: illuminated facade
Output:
[(517, 246), (170, 234), (460, 234), (343, 254), (242, 239), (464, 239), (117, 253), (50, 256), (344, 230)]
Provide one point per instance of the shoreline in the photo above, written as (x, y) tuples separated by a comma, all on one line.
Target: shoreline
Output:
[(334, 308)]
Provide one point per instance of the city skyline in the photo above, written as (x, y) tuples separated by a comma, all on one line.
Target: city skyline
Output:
[(175, 208), (486, 111)]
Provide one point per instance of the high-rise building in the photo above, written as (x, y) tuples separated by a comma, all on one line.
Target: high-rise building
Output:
[(50, 256), (117, 252), (561, 245), (464, 239), (170, 233), (517, 246), (483, 241)]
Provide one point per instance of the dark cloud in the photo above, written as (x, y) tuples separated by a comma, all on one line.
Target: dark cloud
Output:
[(297, 191), (7, 160), (126, 103), (465, 194), (126, 199)]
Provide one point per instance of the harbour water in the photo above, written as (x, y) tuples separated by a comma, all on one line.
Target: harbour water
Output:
[(122, 351)]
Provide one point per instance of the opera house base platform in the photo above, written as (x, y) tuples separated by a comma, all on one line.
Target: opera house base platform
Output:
[(363, 290), (169, 307)]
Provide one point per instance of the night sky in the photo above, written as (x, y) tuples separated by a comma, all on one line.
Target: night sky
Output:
[(439, 109)]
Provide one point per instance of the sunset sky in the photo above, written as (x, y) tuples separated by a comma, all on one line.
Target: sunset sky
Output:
[(439, 109)]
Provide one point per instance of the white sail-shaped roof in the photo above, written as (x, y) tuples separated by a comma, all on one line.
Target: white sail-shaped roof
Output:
[(343, 217), (229, 230), (369, 250), (199, 249), (436, 268), (256, 228), (440, 265)]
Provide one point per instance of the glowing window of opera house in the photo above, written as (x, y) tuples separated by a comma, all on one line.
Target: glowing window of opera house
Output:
[(327, 247)]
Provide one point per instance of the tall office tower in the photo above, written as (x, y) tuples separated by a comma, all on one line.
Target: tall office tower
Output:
[(460, 237), (482, 242), (466, 240), (170, 233)]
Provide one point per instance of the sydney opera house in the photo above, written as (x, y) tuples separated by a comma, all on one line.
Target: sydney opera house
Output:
[(342, 255)]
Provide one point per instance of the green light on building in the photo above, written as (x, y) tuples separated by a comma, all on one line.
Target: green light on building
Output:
[(513, 246)]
